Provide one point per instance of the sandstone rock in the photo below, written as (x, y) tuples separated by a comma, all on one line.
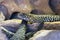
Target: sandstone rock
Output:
[(2, 36), (32, 27), (2, 17), (55, 6), (4, 11), (11, 25), (12, 6), (41, 6), (1, 0), (46, 25), (52, 25), (24, 6), (46, 35)]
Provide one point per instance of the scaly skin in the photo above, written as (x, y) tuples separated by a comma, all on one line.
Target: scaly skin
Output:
[(39, 18)]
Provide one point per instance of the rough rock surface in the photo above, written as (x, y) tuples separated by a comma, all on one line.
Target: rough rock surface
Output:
[(52, 25), (16, 6), (2, 17), (2, 36), (41, 6), (46, 35), (11, 25), (55, 6)]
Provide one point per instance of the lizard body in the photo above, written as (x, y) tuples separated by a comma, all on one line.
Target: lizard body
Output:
[(39, 18)]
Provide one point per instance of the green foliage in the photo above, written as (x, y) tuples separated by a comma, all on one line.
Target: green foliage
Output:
[(20, 34)]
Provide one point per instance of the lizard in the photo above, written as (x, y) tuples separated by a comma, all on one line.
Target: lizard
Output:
[(32, 18), (39, 18)]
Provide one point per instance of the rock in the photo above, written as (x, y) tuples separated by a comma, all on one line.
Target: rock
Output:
[(44, 26), (3, 36), (55, 6), (24, 6), (11, 25), (46, 35), (4, 11), (8, 33), (12, 6), (41, 7), (51, 25), (2, 17), (37, 12), (32, 27), (1, 0)]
